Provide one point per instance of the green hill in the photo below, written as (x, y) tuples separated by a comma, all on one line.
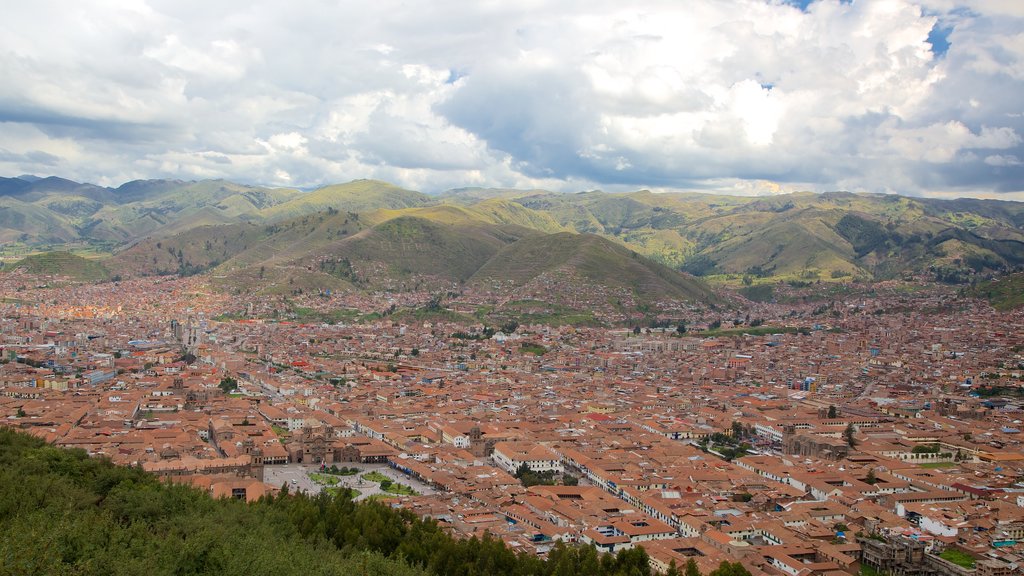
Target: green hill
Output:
[(62, 512), (404, 248), (53, 210), (595, 260), (22, 221), (356, 196), (1005, 293), (805, 236), (63, 264)]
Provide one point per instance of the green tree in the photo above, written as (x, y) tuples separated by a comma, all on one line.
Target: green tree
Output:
[(730, 569), (848, 435), (831, 411), (227, 384), (870, 478), (691, 568), (673, 570)]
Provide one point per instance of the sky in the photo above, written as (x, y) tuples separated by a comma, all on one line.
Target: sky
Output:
[(736, 96)]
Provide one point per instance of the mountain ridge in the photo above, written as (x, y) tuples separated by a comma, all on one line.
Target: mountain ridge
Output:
[(790, 237)]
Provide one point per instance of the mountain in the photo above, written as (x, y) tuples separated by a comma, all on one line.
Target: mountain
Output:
[(439, 249), (47, 211), (792, 237), (356, 196), (802, 236), (588, 261)]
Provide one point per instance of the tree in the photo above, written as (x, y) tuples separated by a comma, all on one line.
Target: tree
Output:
[(848, 435), (831, 412), (227, 384), (673, 570), (730, 569), (737, 429), (21, 413), (870, 478), (636, 330), (681, 328), (691, 568)]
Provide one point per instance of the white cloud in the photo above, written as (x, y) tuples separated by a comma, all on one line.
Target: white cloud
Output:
[(746, 97)]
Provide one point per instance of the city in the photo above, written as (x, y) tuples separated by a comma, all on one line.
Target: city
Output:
[(882, 432)]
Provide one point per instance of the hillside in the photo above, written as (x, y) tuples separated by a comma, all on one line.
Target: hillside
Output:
[(63, 264), (44, 211), (799, 236), (406, 247), (62, 512), (1006, 293), (834, 236), (356, 196), (596, 261)]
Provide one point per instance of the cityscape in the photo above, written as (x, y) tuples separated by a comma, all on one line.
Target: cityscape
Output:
[(562, 288)]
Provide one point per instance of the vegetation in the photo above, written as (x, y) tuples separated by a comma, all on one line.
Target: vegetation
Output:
[(324, 479), (374, 477), (63, 264), (714, 331), (796, 238), (532, 348), (729, 446), (396, 488), (530, 478), (958, 557), (62, 512), (343, 471), (758, 293), (991, 391), (849, 435), (228, 384), (590, 259), (1005, 293)]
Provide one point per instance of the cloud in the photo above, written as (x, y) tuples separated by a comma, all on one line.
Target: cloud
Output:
[(753, 96)]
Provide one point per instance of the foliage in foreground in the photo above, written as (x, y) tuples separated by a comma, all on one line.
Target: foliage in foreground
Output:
[(62, 512)]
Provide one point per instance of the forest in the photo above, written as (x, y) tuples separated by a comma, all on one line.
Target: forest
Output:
[(62, 512)]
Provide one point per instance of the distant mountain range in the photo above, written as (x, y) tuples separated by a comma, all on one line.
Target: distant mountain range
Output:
[(371, 234)]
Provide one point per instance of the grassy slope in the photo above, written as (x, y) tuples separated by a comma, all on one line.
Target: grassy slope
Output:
[(63, 264), (1005, 293), (411, 245), (594, 258), (356, 196)]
